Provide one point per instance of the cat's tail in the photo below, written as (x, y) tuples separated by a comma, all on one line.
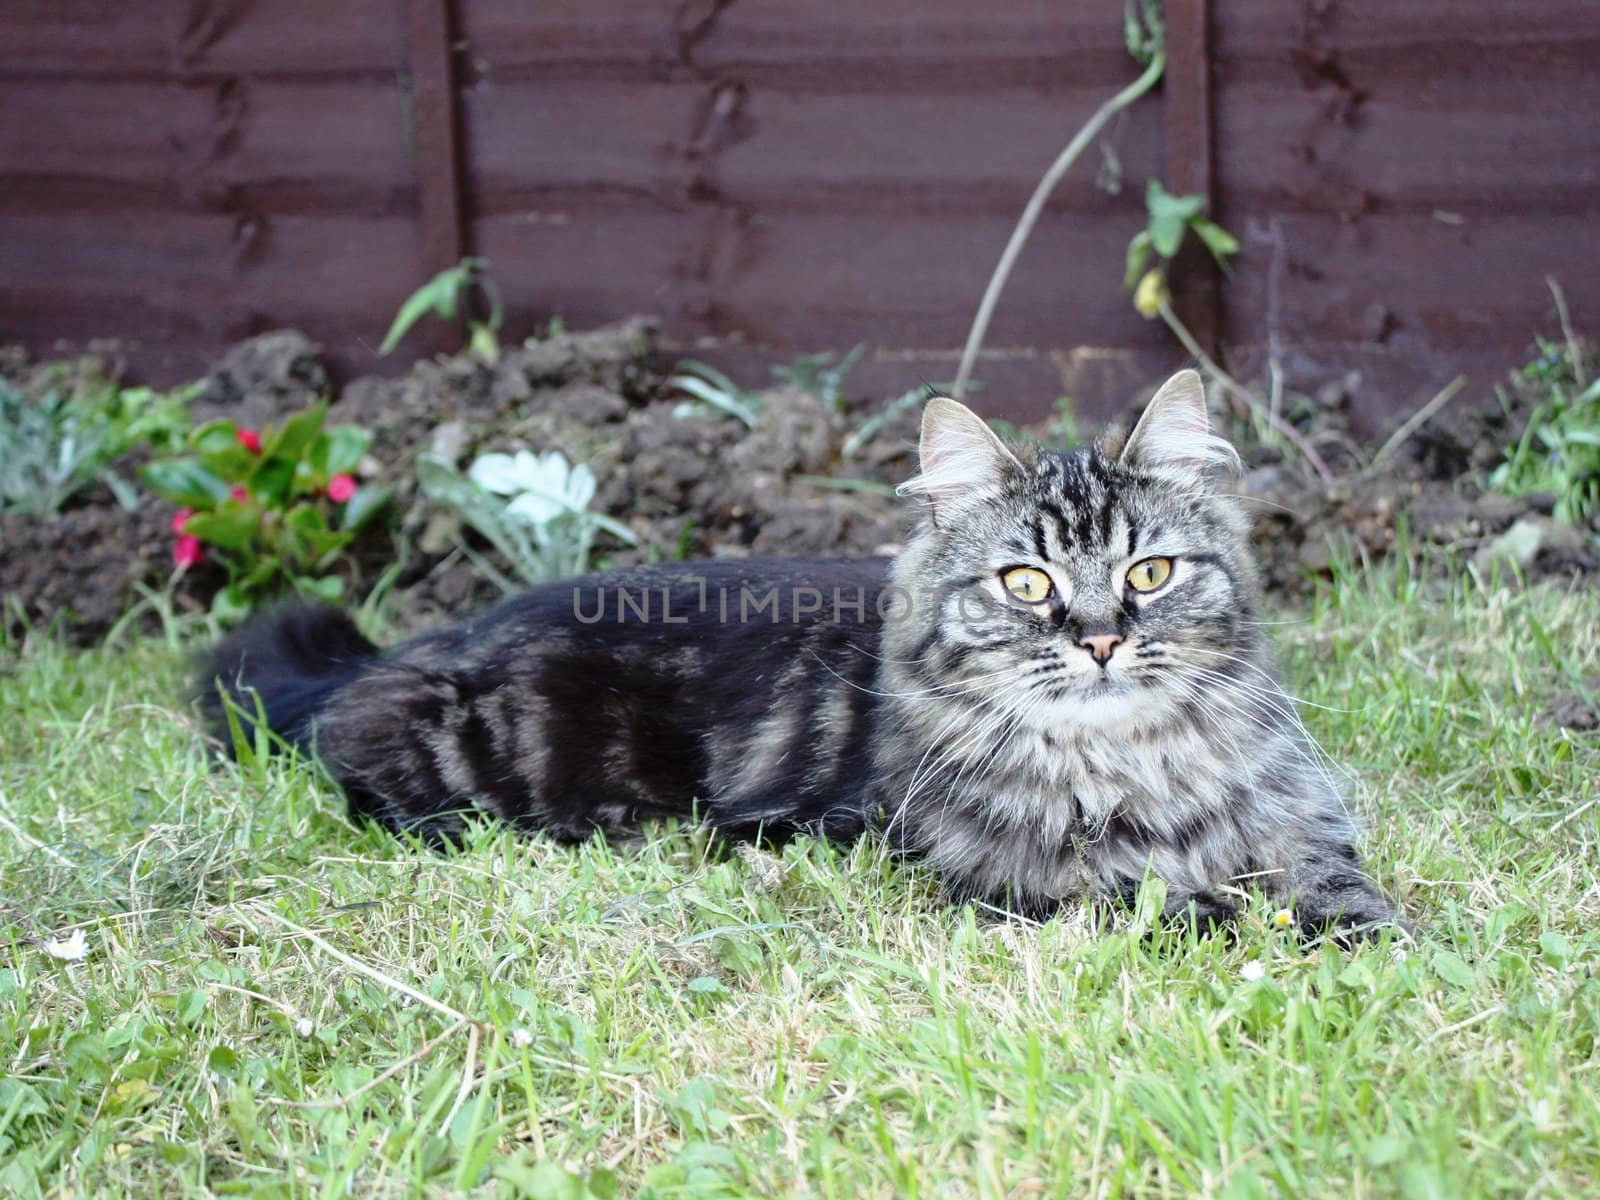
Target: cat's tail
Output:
[(285, 664)]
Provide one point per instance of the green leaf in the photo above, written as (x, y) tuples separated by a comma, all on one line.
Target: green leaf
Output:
[(1218, 240), (329, 588), (306, 518), (307, 479), (1555, 947), (1357, 976), (615, 528), (309, 534), (231, 462), (271, 480), (184, 481), (214, 436), (483, 342), (347, 446), (440, 295), (298, 432), (732, 403), (367, 503), (706, 371), (19, 1100), (231, 525), (231, 605), (326, 546), (1148, 903), (125, 494), (1138, 255), (191, 1005), (1166, 235), (1385, 1150), (542, 1180), (1169, 217), (258, 576), (1453, 969)]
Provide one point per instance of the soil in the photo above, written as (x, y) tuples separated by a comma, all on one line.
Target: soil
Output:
[(1429, 495), (1574, 710), (698, 483)]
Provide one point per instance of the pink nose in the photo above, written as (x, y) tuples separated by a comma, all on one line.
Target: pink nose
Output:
[(1101, 645)]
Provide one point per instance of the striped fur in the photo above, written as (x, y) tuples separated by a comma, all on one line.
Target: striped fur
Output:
[(913, 697)]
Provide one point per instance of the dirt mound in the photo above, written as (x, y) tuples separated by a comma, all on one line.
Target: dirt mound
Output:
[(258, 379), (1301, 524), (81, 570)]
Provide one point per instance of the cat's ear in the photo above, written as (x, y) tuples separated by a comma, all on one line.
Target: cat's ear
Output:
[(960, 454), (1174, 436)]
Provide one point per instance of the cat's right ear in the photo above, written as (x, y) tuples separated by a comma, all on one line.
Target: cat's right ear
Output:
[(960, 454), (1174, 438)]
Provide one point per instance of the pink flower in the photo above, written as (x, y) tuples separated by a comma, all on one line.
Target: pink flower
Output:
[(187, 552), (249, 439), (181, 518), (341, 488), (238, 493)]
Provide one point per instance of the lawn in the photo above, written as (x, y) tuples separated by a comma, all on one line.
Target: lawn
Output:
[(273, 1002)]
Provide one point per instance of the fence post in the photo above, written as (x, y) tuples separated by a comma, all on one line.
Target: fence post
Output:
[(1196, 291), (430, 32)]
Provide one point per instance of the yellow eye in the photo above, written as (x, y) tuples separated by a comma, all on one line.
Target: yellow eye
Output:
[(1028, 584), (1150, 574)]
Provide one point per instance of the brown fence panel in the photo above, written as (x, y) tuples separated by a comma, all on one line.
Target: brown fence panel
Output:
[(809, 175), (177, 176), (783, 177), (1404, 177)]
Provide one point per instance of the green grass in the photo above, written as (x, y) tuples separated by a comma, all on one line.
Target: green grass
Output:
[(276, 1003)]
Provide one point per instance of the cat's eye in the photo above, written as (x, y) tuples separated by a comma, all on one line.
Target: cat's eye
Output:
[(1150, 574), (1028, 584)]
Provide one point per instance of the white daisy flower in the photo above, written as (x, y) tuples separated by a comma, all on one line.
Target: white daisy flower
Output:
[(72, 949)]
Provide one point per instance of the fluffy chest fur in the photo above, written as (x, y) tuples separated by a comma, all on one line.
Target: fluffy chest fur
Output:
[(1024, 816)]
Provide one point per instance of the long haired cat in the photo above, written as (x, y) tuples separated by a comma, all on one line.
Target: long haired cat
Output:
[(1059, 685)]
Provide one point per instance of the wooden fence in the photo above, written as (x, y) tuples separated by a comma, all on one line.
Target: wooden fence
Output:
[(777, 177)]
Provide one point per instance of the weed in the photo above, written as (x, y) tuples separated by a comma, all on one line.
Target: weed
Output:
[(55, 444), (448, 296), (715, 390), (1170, 218), (1062, 433), (880, 420), (820, 377), (1559, 450)]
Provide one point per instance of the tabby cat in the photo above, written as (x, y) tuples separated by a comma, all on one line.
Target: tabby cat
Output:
[(1058, 685)]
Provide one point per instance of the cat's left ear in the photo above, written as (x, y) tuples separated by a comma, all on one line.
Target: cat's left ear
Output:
[(960, 454), (1174, 436)]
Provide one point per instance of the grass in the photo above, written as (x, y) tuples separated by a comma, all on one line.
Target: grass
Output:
[(275, 1003)]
